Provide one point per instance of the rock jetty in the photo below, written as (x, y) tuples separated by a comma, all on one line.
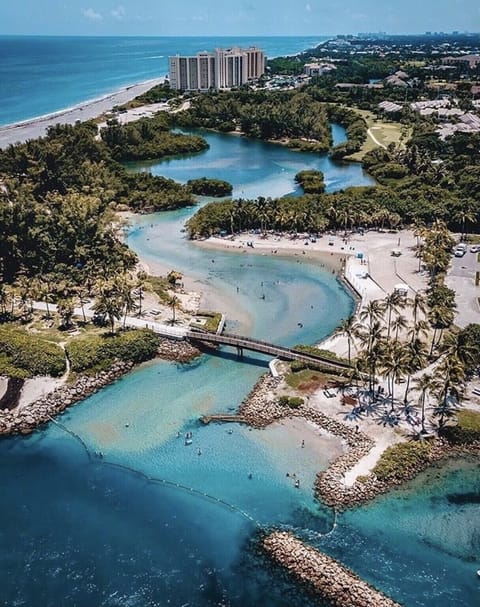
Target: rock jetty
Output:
[(176, 350), (27, 419), (323, 575), (261, 407)]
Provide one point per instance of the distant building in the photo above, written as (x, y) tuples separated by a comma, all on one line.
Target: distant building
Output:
[(319, 69), (220, 69), (389, 107), (470, 61)]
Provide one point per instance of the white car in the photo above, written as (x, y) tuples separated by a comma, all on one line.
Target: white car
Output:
[(459, 252), (475, 248)]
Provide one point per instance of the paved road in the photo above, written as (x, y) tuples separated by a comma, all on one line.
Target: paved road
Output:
[(461, 278)]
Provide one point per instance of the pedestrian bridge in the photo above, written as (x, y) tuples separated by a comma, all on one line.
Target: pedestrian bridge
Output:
[(263, 347)]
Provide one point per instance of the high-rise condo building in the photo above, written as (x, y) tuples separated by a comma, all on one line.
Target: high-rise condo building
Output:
[(221, 69)]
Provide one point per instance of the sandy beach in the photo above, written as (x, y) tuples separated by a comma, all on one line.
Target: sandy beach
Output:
[(37, 127)]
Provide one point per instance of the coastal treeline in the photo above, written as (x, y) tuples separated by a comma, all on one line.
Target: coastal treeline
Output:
[(293, 115), (148, 138), (57, 197), (428, 180)]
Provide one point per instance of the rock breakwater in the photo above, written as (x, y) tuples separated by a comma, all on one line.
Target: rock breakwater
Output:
[(321, 574), (27, 419), (177, 350), (261, 408)]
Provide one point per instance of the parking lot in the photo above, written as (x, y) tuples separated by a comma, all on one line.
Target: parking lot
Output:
[(461, 278)]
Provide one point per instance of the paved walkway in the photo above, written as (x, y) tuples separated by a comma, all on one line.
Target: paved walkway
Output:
[(130, 321)]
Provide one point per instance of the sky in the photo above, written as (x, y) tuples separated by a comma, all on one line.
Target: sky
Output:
[(234, 17)]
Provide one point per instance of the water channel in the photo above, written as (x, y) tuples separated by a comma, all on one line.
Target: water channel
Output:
[(155, 523)]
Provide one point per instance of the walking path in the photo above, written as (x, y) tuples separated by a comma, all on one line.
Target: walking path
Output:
[(374, 139), (130, 321)]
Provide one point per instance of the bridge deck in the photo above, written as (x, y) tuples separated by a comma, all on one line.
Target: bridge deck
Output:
[(263, 347)]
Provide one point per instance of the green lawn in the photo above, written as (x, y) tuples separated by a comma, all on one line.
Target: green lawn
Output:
[(384, 132)]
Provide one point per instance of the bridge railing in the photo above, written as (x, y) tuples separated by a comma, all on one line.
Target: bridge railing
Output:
[(265, 347)]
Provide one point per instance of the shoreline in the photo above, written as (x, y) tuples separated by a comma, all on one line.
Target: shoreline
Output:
[(36, 126), (32, 128), (332, 258)]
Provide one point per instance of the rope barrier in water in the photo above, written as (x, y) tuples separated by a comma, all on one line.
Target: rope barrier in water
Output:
[(162, 481), (72, 433), (198, 492)]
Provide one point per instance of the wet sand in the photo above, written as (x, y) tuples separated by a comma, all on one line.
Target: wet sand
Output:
[(37, 127)]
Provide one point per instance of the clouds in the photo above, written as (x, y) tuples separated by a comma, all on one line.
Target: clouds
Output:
[(91, 14), (118, 14)]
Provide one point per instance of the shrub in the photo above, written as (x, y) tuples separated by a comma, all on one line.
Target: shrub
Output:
[(25, 355), (99, 352), (402, 460), (293, 402), (466, 432)]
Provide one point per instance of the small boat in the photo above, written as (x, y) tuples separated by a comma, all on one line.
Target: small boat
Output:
[(297, 484), (188, 441), (478, 572)]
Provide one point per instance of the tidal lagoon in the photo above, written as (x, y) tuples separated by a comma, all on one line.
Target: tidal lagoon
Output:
[(153, 521)]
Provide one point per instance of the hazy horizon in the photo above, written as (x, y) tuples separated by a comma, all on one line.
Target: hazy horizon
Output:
[(151, 18)]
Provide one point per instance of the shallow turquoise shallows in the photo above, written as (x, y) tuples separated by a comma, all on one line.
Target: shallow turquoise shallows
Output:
[(153, 521)]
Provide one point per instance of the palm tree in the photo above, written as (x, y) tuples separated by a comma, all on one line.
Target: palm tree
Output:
[(399, 324), (372, 311), (450, 388), (140, 286), (373, 339), (463, 215), (5, 297), (394, 364), (108, 302), (392, 303), (24, 292), (419, 304), (124, 287), (348, 328), (419, 328), (440, 318), (45, 294), (415, 358), (173, 303), (424, 384), (82, 294), (65, 310)]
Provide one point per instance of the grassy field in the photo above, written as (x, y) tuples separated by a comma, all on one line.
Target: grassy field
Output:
[(382, 132)]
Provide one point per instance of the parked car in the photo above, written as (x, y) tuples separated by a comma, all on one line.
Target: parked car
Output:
[(475, 248), (460, 249)]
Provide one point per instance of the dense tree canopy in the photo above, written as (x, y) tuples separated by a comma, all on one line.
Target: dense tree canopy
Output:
[(57, 196)]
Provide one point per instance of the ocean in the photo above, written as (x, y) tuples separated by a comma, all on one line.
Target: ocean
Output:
[(152, 523), (42, 74)]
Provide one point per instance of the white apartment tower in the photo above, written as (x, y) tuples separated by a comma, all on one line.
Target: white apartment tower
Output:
[(221, 69)]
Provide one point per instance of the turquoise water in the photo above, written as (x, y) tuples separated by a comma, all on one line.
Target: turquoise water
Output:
[(153, 522), (44, 74)]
